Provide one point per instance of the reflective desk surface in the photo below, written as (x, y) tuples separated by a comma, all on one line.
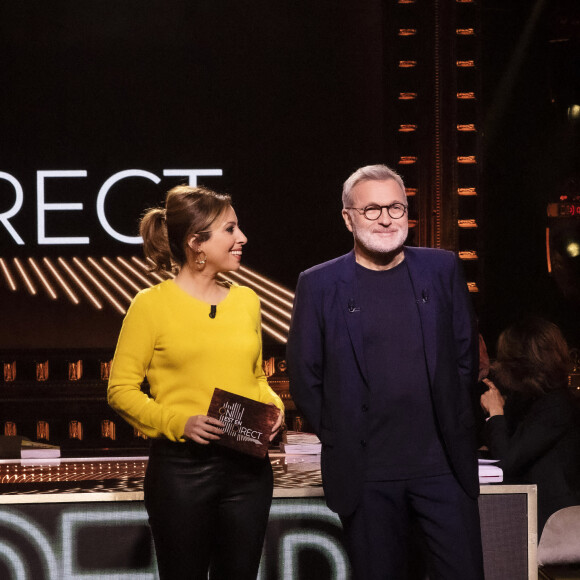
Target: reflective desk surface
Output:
[(294, 476)]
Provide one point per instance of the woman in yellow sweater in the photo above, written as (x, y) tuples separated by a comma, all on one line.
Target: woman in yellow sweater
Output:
[(208, 505)]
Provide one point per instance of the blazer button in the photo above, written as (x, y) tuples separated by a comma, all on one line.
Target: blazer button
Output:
[(363, 442), (365, 408)]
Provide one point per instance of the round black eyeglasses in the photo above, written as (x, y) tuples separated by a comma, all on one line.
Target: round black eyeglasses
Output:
[(373, 212)]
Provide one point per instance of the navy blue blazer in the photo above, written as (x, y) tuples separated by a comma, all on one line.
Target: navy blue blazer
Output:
[(327, 370)]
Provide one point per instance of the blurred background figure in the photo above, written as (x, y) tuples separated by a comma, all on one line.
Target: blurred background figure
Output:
[(534, 419), (483, 360)]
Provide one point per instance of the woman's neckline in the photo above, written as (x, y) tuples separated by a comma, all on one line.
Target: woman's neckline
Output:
[(199, 300)]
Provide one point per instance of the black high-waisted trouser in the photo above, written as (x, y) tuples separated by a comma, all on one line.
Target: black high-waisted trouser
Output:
[(208, 509)]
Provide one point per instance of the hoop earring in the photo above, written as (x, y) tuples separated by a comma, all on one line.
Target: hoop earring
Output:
[(199, 261)]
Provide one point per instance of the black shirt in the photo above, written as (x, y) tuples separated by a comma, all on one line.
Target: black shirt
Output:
[(403, 441)]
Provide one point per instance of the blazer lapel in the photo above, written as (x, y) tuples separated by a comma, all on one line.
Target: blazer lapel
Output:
[(349, 304), (424, 298)]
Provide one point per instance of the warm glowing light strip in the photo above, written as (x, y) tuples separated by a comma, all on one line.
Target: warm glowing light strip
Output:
[(80, 284), (7, 275), (407, 31), (102, 289), (438, 121), (407, 63), (467, 191), (466, 127), (121, 274), (472, 287), (468, 224), (468, 255), (42, 279), (267, 282), (466, 159), (265, 302), (407, 128), (25, 277), (413, 223), (103, 272), (269, 330), (411, 191), (145, 267), (548, 251), (278, 322), (110, 279), (261, 289), (466, 96), (407, 160), (465, 31), (133, 271), (63, 284), (407, 96), (465, 63)]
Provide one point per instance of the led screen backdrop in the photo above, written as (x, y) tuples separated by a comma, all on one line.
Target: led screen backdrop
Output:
[(105, 105)]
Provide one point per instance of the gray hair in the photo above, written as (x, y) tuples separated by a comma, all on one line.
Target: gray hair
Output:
[(369, 173)]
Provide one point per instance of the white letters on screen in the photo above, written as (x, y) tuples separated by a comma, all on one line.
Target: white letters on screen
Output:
[(4, 217), (43, 207)]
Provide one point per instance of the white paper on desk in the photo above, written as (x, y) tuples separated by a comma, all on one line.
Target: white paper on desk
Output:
[(304, 449), (490, 473), (300, 437), (299, 443), (310, 459)]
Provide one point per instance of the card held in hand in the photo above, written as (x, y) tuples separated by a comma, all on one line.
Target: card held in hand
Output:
[(248, 423)]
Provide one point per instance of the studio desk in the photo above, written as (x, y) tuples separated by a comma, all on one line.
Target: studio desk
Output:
[(85, 519)]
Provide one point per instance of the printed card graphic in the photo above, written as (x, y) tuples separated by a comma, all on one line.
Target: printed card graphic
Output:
[(248, 423)]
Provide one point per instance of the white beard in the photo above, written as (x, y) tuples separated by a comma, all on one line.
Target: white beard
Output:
[(377, 243)]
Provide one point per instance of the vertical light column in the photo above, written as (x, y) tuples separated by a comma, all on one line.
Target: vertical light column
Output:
[(467, 129), (432, 119), (406, 64)]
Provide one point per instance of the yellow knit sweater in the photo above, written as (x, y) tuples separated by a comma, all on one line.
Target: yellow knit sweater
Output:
[(168, 336)]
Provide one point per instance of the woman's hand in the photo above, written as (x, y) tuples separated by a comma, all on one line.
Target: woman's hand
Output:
[(203, 429), (492, 401), (277, 424)]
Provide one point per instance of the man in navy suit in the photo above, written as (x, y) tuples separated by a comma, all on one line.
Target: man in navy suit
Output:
[(382, 357)]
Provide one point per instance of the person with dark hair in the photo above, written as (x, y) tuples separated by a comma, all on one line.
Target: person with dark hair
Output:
[(382, 359), (208, 506), (534, 422)]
